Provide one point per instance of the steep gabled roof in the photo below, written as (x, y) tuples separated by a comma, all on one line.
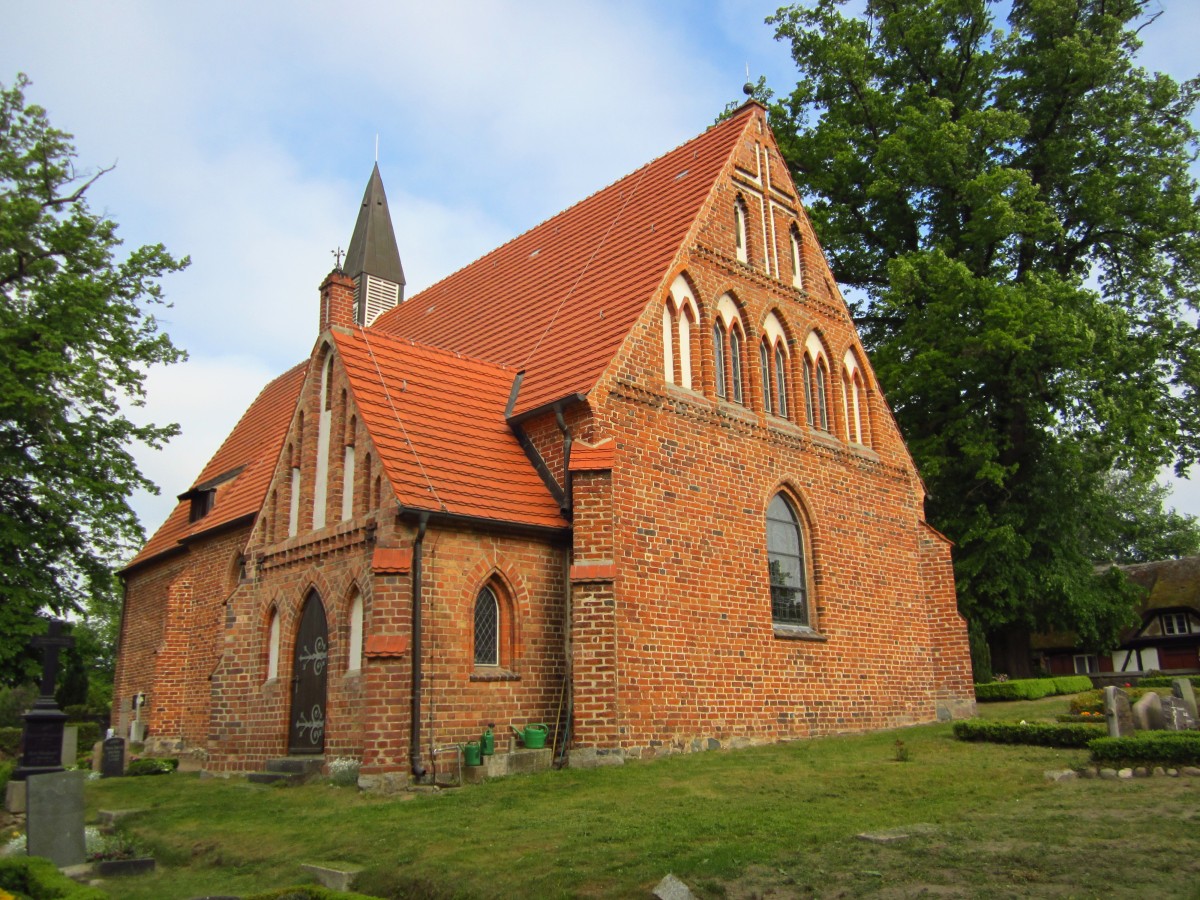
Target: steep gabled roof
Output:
[(241, 467), (437, 423), (559, 300)]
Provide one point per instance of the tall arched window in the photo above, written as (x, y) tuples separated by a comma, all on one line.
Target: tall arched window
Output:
[(764, 358), (853, 399), (487, 628), (781, 402), (719, 360), (735, 364), (786, 564)]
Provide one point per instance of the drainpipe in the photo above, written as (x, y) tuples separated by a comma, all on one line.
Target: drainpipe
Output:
[(414, 746)]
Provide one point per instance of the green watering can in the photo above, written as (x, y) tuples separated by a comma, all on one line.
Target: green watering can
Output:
[(471, 754), (533, 737)]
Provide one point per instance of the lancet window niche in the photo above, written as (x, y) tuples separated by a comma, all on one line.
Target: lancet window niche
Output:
[(816, 383), (728, 348), (854, 399), (680, 318), (774, 362)]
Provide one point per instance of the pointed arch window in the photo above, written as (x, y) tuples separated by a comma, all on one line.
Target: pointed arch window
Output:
[(735, 364), (764, 358), (719, 360), (487, 628), (781, 398), (786, 564)]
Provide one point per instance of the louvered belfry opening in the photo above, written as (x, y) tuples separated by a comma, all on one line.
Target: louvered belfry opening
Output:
[(380, 296)]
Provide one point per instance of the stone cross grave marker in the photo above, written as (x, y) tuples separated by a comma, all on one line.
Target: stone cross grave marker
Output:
[(1117, 712), (112, 758), (54, 817), (43, 735), (1182, 688)]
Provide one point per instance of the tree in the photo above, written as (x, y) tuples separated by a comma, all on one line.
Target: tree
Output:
[(1014, 209), (76, 337)]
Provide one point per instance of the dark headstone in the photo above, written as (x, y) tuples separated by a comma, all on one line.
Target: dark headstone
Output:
[(54, 817), (112, 758), (1178, 717), (1117, 712), (1148, 713), (42, 738)]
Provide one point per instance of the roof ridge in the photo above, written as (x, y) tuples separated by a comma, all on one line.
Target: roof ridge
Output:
[(724, 123)]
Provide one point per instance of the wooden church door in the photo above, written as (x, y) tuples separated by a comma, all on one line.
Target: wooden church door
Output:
[(309, 673)]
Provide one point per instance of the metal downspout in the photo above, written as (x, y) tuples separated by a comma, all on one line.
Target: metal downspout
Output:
[(414, 746)]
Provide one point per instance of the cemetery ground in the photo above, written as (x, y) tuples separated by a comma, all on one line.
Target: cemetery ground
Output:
[(774, 821)]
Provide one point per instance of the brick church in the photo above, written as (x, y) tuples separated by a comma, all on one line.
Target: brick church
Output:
[(629, 475)]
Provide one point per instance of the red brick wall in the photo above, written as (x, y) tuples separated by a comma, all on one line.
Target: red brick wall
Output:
[(695, 654), (172, 628)]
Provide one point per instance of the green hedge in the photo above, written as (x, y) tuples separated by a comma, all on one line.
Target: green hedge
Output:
[(1041, 734), (308, 892), (1148, 748), (39, 879), (152, 765), (1031, 688), (10, 741), (1166, 680), (89, 733)]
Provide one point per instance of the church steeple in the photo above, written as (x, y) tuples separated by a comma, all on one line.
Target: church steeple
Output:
[(373, 260)]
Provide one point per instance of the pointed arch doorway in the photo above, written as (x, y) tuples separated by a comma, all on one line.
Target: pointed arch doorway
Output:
[(306, 733)]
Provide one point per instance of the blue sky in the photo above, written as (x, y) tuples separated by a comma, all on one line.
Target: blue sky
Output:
[(244, 134)]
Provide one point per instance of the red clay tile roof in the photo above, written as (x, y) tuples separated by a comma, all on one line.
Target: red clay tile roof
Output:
[(253, 446), (437, 423), (559, 300)]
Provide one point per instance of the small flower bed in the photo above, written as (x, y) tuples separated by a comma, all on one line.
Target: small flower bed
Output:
[(343, 772)]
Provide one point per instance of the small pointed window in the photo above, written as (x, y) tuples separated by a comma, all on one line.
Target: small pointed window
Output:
[(797, 259), (487, 629), (822, 388)]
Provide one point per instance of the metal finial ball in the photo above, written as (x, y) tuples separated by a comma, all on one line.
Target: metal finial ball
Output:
[(748, 89)]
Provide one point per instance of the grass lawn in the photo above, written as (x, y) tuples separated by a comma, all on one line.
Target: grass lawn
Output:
[(778, 821)]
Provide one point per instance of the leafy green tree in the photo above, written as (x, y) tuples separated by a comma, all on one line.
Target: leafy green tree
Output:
[(1013, 205), (76, 338)]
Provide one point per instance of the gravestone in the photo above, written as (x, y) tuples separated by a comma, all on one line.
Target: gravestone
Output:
[(70, 746), (1118, 714), (1148, 713), (54, 817), (112, 758), (1177, 715), (1182, 688), (42, 738)]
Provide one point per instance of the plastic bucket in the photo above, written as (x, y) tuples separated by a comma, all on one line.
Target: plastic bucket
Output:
[(471, 754), (534, 736)]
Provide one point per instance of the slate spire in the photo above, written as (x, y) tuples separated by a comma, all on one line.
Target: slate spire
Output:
[(373, 260)]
